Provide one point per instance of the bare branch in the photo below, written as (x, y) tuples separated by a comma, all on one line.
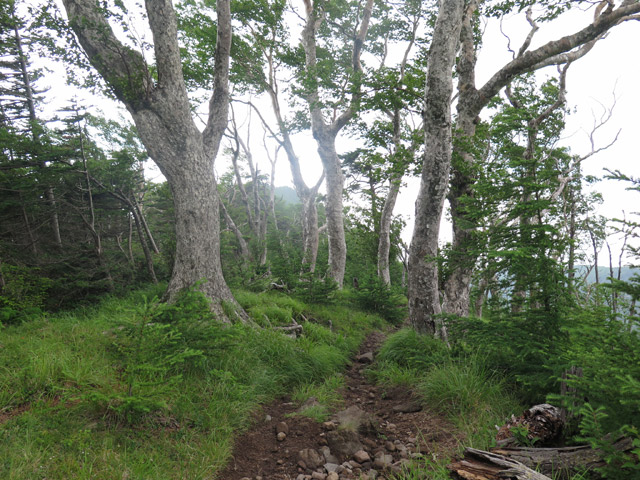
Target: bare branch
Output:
[(532, 32)]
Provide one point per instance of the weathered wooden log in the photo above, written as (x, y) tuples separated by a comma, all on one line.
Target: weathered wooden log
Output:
[(542, 423), (481, 465), (506, 463), (561, 462)]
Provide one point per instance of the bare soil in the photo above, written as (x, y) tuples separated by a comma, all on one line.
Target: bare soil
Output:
[(258, 453)]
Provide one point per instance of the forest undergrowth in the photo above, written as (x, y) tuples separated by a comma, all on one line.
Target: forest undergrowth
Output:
[(133, 388)]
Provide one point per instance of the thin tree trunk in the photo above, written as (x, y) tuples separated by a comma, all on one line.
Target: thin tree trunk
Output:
[(384, 238), (424, 292), (130, 240), (91, 221), (325, 133), (145, 225), (121, 248), (33, 119), (334, 207), (27, 226), (244, 248), (143, 242)]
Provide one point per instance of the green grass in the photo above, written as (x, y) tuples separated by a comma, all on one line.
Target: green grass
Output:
[(471, 396), (462, 388), (193, 384), (326, 394)]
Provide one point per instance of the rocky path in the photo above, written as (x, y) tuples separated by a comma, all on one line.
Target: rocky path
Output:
[(378, 431)]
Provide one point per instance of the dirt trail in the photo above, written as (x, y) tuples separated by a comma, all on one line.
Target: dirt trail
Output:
[(377, 432)]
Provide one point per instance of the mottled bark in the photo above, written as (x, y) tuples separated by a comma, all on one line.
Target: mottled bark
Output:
[(325, 131), (334, 207), (162, 114), (424, 294)]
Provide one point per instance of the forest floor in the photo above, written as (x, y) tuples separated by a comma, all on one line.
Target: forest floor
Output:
[(376, 433)]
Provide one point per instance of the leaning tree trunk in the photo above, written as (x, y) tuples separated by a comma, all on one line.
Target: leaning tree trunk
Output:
[(138, 219), (161, 110), (424, 294)]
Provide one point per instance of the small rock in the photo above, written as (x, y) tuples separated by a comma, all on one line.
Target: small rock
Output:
[(311, 458), (282, 427), (279, 461), (311, 402), (383, 461), (267, 418), (408, 407), (372, 474), (343, 443), (328, 456), (402, 450), (365, 358), (333, 476), (390, 446), (319, 476), (368, 442), (329, 425), (331, 467), (361, 456), (281, 436)]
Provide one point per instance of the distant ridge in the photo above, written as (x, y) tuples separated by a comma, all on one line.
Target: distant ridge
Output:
[(287, 194), (604, 273)]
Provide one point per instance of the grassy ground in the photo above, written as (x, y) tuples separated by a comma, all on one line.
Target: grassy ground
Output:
[(472, 397), (124, 390)]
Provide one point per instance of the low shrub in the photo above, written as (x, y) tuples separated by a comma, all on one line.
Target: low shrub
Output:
[(373, 295)]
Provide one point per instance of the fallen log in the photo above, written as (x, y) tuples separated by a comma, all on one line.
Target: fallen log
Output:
[(481, 465), (562, 462), (520, 463)]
